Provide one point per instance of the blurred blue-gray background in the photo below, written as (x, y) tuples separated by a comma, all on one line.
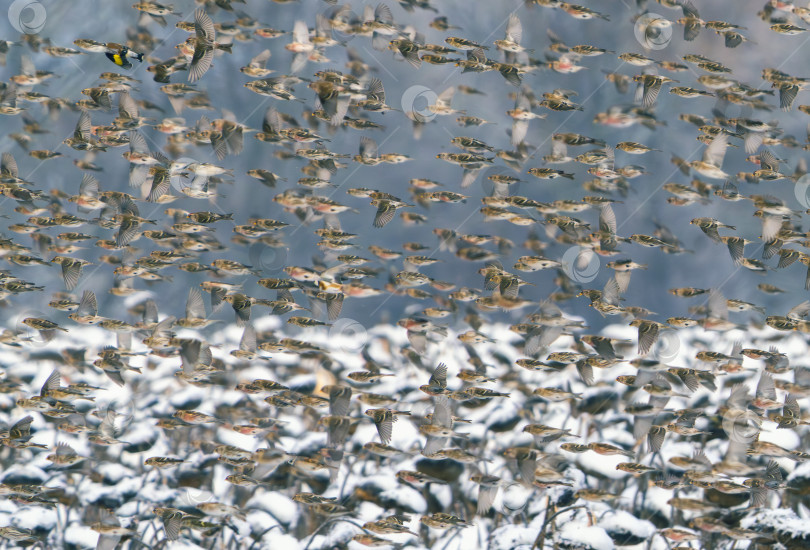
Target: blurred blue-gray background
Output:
[(708, 265)]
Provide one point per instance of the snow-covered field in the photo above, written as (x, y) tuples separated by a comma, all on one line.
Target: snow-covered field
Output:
[(631, 511)]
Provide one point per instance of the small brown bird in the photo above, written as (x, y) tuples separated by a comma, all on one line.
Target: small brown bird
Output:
[(648, 332), (203, 44), (384, 420), (47, 329)]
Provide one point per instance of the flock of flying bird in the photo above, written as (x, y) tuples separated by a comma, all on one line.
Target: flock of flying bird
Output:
[(511, 411)]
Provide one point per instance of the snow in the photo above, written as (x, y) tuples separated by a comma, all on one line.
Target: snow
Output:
[(279, 506), (802, 470), (138, 489), (621, 521), (183, 545), (513, 498), (602, 465), (787, 439), (276, 539), (339, 533), (81, 536), (23, 471), (577, 536), (34, 518), (512, 537), (782, 520)]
